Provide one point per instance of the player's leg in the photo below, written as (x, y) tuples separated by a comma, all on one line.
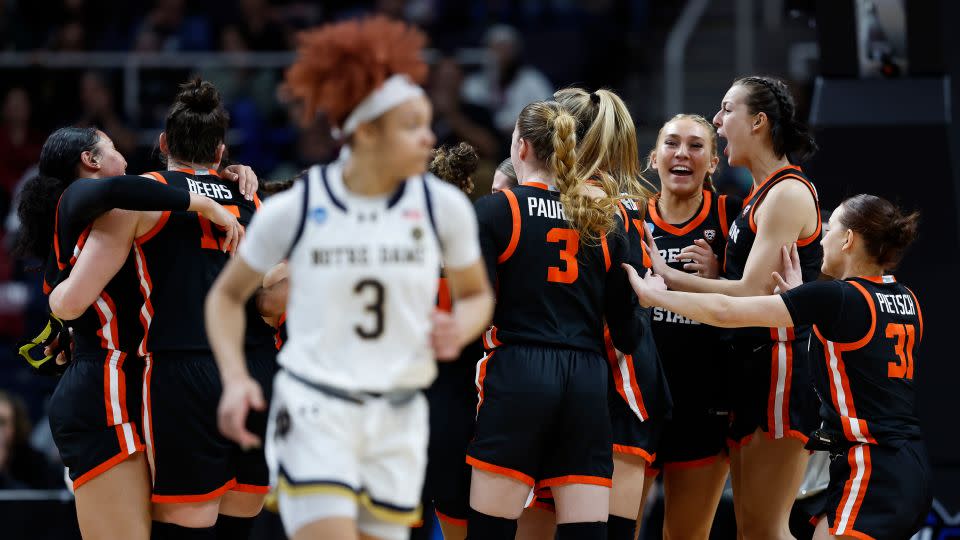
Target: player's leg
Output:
[(771, 471), (102, 514), (691, 494), (626, 496), (538, 522)]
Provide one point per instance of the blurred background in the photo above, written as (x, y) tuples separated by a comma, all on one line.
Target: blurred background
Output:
[(876, 79)]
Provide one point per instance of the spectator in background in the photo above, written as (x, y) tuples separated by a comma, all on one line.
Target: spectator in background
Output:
[(21, 467), (260, 28), (454, 120), (506, 85), (19, 143), (98, 110), (168, 27)]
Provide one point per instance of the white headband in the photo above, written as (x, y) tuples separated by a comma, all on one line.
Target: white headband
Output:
[(394, 91)]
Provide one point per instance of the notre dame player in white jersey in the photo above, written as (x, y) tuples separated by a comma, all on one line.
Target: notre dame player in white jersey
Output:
[(364, 238)]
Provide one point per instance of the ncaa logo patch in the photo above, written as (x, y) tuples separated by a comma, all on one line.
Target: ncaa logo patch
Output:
[(710, 234), (318, 215), (745, 210)]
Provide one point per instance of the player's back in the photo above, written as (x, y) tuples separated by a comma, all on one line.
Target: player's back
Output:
[(872, 391), (178, 261), (550, 286)]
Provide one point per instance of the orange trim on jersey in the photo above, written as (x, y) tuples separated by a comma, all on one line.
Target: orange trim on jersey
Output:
[(146, 289), (203, 497), (81, 241), (801, 242), (147, 414), (650, 472), (767, 180), (503, 471), (277, 340), (855, 486), (481, 376), (164, 216), (693, 464), (251, 488), (546, 506), (781, 412), (873, 321), (490, 340), (737, 444), (515, 231), (158, 177), (102, 468), (606, 252), (635, 451), (108, 322), (256, 201), (647, 261), (693, 224), (847, 411), (444, 300), (575, 479), (614, 360), (879, 280), (538, 185), (47, 289), (449, 519), (722, 214)]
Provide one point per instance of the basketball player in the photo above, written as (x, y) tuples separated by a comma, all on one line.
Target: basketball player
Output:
[(775, 406), (364, 238), (866, 327), (638, 396), (504, 177), (197, 474), (690, 223), (93, 412), (552, 248)]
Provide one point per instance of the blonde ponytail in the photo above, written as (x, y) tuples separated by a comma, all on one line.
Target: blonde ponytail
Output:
[(552, 132)]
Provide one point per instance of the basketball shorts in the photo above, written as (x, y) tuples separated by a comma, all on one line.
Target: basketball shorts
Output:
[(453, 411), (190, 459), (330, 457), (95, 411), (630, 435), (691, 439), (774, 391), (543, 417), (879, 491)]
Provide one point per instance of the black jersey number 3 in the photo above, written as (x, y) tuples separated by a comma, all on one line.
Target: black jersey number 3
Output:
[(375, 307)]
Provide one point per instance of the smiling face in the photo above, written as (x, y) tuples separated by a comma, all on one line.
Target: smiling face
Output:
[(737, 125), (684, 155)]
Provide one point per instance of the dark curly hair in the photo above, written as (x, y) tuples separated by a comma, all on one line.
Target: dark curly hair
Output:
[(771, 96), (37, 209), (340, 64), (196, 123), (456, 164)]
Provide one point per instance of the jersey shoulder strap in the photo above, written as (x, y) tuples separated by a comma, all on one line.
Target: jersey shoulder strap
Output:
[(304, 179), (428, 202)]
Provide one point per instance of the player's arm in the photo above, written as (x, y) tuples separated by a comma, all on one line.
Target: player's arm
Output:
[(785, 212), (270, 236), (104, 252), (466, 271), (272, 295)]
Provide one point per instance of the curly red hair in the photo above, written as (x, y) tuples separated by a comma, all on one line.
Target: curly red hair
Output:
[(341, 64)]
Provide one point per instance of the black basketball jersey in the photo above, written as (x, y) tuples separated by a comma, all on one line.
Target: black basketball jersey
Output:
[(552, 289), (865, 379), (178, 261), (112, 322), (689, 349), (743, 232)]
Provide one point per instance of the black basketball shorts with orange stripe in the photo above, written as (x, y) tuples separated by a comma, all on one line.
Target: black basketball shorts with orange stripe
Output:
[(542, 417), (95, 413)]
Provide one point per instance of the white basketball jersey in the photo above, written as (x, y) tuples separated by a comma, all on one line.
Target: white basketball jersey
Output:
[(363, 282)]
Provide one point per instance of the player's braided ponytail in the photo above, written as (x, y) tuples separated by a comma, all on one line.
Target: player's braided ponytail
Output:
[(790, 136)]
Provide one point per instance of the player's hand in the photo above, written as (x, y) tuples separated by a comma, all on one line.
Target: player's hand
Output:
[(239, 396), (228, 222), (245, 178), (792, 275), (646, 286), (659, 265), (703, 261), (445, 336)]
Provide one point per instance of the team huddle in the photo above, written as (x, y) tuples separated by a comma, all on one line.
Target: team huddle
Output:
[(367, 338)]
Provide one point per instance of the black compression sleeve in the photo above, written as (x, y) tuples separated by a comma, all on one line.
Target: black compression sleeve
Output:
[(87, 198), (836, 307)]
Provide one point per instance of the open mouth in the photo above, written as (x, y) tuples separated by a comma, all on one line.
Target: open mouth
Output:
[(681, 171)]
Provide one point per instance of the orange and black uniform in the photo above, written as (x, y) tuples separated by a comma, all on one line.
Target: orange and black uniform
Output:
[(639, 396), (178, 260), (866, 332), (693, 353), (95, 410), (774, 390), (542, 416)]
